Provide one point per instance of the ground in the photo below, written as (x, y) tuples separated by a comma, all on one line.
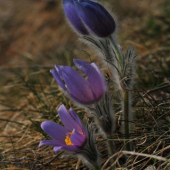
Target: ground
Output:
[(35, 35)]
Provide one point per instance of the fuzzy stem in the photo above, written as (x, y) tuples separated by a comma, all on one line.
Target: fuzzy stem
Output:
[(126, 95), (111, 149), (117, 51), (126, 113), (96, 167)]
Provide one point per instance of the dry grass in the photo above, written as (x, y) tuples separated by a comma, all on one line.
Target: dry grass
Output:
[(34, 36)]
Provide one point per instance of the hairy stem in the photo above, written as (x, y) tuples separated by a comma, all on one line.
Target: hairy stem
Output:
[(127, 118), (111, 150), (117, 52), (96, 167), (126, 98)]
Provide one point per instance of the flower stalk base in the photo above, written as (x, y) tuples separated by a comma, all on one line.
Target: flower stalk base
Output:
[(126, 119), (111, 150)]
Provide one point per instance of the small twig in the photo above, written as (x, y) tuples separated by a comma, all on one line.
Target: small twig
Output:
[(146, 155), (113, 164), (157, 88), (103, 167), (160, 158), (7, 120), (47, 164), (26, 66), (78, 164)]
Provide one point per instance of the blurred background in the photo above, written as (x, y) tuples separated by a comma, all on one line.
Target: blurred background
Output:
[(35, 35), (33, 30)]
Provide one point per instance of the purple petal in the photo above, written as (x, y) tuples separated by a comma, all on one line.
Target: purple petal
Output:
[(73, 17), (49, 142), (58, 79), (77, 138), (82, 101), (59, 69), (94, 65), (56, 148), (76, 119), (55, 131), (77, 85), (70, 148), (95, 17), (95, 80), (67, 120)]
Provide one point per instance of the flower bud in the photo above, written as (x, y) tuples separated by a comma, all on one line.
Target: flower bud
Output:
[(96, 17), (73, 17), (89, 17), (84, 91)]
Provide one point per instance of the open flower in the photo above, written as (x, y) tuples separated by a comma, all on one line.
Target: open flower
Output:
[(89, 16), (76, 86), (71, 137)]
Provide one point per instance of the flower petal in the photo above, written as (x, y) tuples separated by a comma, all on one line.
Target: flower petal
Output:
[(49, 142), (95, 17), (82, 101), (77, 85), (55, 131), (77, 138), (58, 79), (76, 119), (67, 120), (70, 148), (94, 65), (56, 148), (73, 17), (59, 69), (96, 82)]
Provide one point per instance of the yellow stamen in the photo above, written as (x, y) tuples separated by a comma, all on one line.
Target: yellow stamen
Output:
[(67, 139)]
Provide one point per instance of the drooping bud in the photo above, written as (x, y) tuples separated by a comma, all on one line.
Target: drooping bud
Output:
[(96, 18), (73, 17), (89, 17)]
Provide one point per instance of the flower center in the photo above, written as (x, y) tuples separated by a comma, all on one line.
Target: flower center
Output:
[(68, 139)]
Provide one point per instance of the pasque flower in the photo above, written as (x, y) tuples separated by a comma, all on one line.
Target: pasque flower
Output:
[(74, 137), (73, 17), (88, 16), (71, 137), (76, 86)]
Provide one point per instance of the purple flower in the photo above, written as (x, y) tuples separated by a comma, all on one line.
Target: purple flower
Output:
[(71, 137), (89, 16), (76, 86), (73, 17)]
